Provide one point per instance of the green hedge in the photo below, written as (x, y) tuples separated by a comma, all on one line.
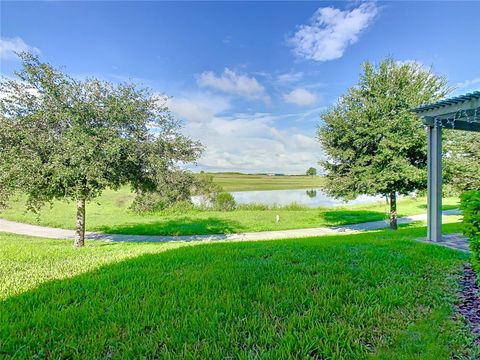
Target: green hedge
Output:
[(470, 204), (224, 201)]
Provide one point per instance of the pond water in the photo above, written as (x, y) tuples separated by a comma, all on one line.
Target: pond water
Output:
[(311, 198)]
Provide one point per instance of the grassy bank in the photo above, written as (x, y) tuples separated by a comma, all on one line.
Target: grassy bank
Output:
[(110, 213), (375, 295), (245, 182)]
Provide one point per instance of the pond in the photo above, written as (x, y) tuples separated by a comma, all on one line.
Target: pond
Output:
[(311, 198)]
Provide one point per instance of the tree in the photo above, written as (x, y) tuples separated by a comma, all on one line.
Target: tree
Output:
[(374, 144), (462, 160), (66, 139), (311, 171)]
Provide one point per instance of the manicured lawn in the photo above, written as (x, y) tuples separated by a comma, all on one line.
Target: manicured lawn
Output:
[(373, 295), (244, 182), (110, 213)]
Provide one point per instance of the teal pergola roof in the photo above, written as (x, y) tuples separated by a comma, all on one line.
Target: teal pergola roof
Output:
[(449, 102), (460, 112)]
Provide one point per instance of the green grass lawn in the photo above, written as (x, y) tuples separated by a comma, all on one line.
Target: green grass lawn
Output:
[(109, 213), (245, 182), (375, 295)]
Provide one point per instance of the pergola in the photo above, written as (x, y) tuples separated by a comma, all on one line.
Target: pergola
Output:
[(459, 113)]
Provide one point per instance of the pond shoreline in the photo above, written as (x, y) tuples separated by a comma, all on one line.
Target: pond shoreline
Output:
[(311, 198)]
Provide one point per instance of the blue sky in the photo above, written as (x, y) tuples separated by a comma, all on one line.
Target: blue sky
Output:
[(248, 79)]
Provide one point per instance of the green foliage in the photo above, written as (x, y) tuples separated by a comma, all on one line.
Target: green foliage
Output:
[(179, 189), (206, 187), (376, 295), (66, 139), (470, 204), (253, 207), (224, 201), (374, 143), (311, 171), (461, 160)]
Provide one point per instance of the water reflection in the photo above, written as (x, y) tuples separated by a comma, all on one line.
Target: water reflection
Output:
[(310, 198)]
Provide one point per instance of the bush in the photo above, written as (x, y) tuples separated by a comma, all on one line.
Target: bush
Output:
[(206, 190), (224, 201), (148, 202), (181, 207), (470, 204)]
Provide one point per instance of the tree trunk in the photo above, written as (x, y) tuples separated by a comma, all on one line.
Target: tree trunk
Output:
[(393, 211), (80, 227)]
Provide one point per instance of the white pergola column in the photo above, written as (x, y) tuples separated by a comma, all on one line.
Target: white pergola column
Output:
[(434, 195)]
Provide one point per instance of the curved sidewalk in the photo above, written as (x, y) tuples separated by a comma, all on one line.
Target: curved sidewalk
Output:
[(55, 233)]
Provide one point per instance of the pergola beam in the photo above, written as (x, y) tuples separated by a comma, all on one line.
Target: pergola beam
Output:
[(449, 124)]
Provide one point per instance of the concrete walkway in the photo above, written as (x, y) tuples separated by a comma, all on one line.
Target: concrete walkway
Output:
[(452, 241), (55, 233)]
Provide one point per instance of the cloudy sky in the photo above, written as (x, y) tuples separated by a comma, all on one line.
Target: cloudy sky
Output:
[(249, 80)]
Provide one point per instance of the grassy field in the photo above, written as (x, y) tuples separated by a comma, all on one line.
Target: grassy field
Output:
[(245, 182), (110, 214), (370, 296)]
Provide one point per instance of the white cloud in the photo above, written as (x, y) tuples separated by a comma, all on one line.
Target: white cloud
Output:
[(300, 97), (9, 46), (198, 107), (233, 83), (248, 142), (468, 84), (331, 31), (289, 77)]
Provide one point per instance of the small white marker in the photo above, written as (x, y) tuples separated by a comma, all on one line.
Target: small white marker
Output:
[(277, 218)]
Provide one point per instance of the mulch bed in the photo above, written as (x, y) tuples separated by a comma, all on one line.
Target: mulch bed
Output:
[(469, 305)]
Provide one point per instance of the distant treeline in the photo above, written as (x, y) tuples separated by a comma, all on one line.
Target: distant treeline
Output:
[(240, 173)]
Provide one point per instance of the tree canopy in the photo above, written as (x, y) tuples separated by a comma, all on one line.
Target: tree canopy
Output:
[(374, 144), (69, 139), (311, 171), (462, 160)]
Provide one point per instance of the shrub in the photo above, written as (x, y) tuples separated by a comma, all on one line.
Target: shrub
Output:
[(470, 204), (224, 201), (181, 207), (206, 190), (148, 202)]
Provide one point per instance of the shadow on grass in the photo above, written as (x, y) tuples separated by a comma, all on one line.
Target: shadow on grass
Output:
[(179, 226), (344, 217), (236, 300), (444, 207)]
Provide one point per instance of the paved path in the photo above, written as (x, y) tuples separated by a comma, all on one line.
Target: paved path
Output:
[(55, 233), (452, 241)]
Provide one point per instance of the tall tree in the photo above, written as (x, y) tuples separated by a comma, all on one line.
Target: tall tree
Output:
[(462, 160), (311, 171), (374, 144), (65, 139)]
